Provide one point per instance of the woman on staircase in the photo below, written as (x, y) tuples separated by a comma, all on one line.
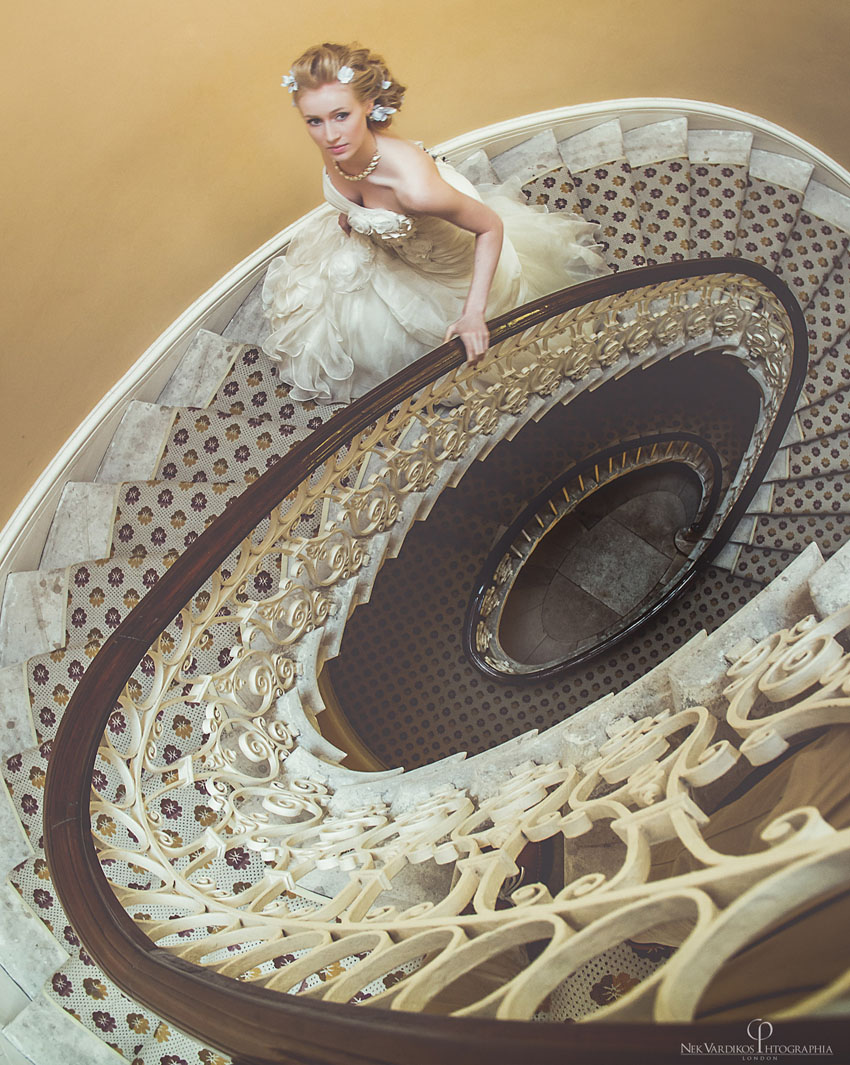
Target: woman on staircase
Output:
[(408, 253)]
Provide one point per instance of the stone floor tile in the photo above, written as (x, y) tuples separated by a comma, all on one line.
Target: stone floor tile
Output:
[(571, 615), (614, 565)]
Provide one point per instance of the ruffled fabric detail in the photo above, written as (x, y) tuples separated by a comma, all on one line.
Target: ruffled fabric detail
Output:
[(349, 311)]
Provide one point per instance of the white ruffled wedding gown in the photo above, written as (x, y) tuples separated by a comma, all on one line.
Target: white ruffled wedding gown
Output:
[(347, 312)]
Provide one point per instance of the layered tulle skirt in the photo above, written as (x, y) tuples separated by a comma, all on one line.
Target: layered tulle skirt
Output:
[(347, 311)]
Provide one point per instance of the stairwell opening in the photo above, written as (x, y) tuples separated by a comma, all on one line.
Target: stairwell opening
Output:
[(599, 565), (402, 681)]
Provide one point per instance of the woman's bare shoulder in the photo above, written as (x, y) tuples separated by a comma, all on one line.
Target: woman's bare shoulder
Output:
[(406, 156), (414, 175)]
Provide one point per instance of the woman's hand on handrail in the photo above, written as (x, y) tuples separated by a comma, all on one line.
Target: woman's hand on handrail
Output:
[(472, 330)]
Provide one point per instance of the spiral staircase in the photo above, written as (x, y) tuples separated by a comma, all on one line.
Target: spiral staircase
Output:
[(241, 820)]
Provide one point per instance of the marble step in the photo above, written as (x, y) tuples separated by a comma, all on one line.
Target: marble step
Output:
[(776, 186), (31, 954), (829, 375), (215, 445), (816, 243), (528, 161), (826, 454), (15, 846), (206, 364), (602, 180), (17, 731), (46, 1035), (248, 323), (134, 451), (82, 525), (660, 171), (829, 494), (719, 164), (784, 533), (827, 316), (761, 564), (32, 617)]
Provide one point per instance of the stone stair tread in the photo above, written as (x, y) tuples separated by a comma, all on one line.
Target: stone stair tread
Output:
[(762, 500), (727, 557), (47, 1035), (656, 142), (16, 732), (15, 847), (596, 146), (829, 494), (248, 324), (200, 372), (829, 375), (82, 524), (779, 466), (826, 454), (478, 169), (828, 531), (744, 530), (134, 450), (32, 617), (782, 170), (529, 159), (30, 953), (793, 433), (722, 147), (826, 203), (829, 586)]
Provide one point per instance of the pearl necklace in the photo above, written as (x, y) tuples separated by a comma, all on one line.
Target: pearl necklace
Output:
[(376, 158)]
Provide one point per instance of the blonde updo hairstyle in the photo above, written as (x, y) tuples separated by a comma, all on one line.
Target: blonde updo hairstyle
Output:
[(321, 65)]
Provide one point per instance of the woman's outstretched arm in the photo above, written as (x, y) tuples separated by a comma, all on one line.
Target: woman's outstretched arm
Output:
[(425, 192)]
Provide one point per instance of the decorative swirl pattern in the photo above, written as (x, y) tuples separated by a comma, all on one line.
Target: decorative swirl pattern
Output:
[(287, 870)]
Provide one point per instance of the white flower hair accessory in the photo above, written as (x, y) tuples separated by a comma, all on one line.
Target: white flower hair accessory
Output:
[(379, 113), (345, 75), (288, 82), (386, 84)]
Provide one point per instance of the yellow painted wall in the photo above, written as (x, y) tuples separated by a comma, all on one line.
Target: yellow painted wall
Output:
[(148, 147)]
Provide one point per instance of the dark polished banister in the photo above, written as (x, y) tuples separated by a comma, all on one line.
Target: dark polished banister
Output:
[(254, 1025)]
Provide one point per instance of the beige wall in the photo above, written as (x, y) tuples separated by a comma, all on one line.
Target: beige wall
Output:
[(149, 147)]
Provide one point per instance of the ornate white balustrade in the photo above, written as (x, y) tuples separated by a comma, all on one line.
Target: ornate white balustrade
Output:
[(231, 832)]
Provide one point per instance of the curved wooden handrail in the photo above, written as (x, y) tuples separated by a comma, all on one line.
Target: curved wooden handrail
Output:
[(254, 1025)]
